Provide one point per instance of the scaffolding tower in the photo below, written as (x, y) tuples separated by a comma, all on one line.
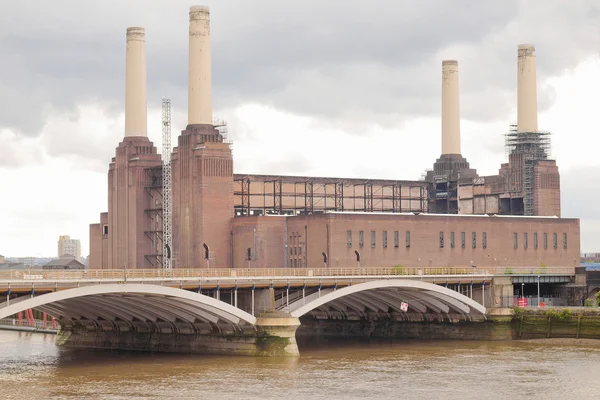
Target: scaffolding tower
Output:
[(166, 181), (529, 147)]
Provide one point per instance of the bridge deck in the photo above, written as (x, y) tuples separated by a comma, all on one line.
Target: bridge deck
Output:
[(49, 280)]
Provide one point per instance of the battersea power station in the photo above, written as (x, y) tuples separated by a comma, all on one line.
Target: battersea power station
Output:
[(188, 209)]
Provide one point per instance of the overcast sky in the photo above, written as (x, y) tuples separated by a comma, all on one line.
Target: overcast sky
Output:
[(327, 88)]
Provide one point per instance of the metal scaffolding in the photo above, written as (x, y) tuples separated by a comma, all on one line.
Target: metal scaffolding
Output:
[(154, 212), (166, 184), (526, 149), (298, 195)]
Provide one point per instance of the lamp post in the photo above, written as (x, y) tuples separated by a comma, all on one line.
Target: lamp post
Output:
[(538, 290)]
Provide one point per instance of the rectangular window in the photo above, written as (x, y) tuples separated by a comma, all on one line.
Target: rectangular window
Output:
[(515, 240), (564, 240), (361, 239), (407, 238), (349, 239), (372, 239), (462, 240), (525, 241), (396, 239), (452, 240), (384, 239), (105, 229), (555, 240), (545, 240), (473, 239), (441, 240), (535, 240), (484, 240)]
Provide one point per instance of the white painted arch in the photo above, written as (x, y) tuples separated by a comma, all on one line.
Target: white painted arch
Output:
[(129, 301), (435, 297)]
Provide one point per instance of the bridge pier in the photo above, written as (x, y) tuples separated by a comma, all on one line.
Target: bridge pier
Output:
[(279, 334), (273, 335)]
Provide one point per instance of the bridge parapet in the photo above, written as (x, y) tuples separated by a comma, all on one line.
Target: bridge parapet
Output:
[(203, 273)]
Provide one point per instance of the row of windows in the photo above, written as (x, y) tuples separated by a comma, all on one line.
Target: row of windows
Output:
[(361, 239), (535, 240), (463, 240)]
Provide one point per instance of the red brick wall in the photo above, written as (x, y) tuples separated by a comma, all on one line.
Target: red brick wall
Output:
[(328, 233), (202, 198), (546, 194), (95, 261), (267, 245), (128, 200)]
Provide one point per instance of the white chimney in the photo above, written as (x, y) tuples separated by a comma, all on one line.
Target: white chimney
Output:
[(526, 90), (450, 108), (136, 123), (199, 78)]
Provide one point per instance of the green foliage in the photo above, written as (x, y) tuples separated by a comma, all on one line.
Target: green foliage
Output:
[(518, 312), (590, 303), (398, 269), (509, 271), (598, 298), (563, 314)]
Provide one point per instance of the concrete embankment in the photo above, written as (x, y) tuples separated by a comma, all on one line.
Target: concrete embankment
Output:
[(577, 323), (502, 324)]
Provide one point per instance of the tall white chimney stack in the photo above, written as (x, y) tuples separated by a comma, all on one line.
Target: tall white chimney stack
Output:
[(136, 122), (526, 90), (450, 108), (199, 78)]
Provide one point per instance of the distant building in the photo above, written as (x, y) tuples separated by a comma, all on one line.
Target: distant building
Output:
[(7, 264), (68, 246), (66, 262)]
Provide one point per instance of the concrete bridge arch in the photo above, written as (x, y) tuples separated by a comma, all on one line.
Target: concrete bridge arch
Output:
[(136, 307), (385, 295)]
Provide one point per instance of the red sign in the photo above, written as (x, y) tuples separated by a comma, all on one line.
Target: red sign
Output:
[(522, 302)]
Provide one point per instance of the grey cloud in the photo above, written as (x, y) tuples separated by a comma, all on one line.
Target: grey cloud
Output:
[(578, 193), (327, 59)]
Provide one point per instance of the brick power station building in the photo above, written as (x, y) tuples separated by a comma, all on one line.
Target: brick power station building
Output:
[(453, 217)]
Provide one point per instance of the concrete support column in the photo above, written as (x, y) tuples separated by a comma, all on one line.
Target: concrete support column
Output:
[(502, 292), (136, 122), (199, 74), (278, 334), (526, 89), (264, 301), (450, 108)]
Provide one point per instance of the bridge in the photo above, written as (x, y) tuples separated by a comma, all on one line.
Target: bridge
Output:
[(243, 311)]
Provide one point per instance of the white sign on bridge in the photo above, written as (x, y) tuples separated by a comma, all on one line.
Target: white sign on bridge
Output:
[(404, 306)]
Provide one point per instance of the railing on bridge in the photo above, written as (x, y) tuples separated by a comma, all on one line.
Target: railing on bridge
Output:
[(137, 274)]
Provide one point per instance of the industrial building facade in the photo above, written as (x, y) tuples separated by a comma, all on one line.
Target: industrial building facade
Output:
[(453, 217)]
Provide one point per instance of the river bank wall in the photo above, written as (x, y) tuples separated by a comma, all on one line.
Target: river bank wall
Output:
[(505, 324)]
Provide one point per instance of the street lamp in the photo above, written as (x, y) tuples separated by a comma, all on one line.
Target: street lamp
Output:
[(538, 290)]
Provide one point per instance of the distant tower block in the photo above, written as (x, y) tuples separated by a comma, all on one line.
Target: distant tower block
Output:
[(135, 88), (526, 90), (199, 74), (450, 108)]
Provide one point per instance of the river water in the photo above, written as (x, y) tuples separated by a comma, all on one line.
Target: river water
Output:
[(32, 367)]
